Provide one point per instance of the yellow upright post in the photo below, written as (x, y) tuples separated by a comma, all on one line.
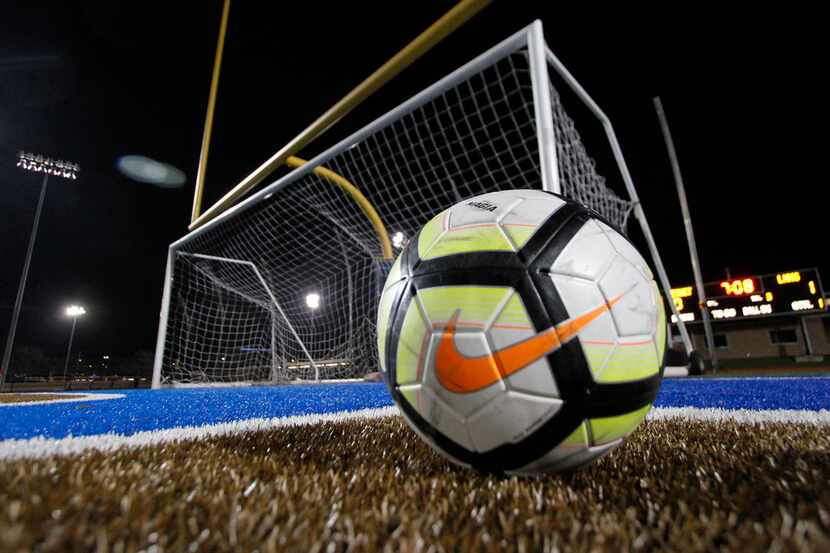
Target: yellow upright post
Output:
[(457, 16), (214, 85), (361, 200)]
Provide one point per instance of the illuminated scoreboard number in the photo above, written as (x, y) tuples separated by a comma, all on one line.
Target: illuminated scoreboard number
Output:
[(685, 300), (753, 296), (799, 290), (739, 287), (788, 278)]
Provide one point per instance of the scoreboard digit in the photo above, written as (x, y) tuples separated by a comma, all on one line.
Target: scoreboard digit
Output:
[(753, 296), (738, 287)]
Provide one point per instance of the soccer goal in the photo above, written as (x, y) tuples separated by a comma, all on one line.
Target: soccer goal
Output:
[(284, 286)]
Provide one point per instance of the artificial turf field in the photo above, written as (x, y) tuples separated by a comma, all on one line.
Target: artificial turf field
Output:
[(731, 465)]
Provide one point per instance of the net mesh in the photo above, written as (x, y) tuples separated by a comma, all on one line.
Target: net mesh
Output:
[(239, 308)]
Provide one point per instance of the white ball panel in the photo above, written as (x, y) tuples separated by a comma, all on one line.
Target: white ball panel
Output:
[(441, 416), (588, 455), (522, 221), (564, 458), (581, 296), (394, 275), (384, 311), (468, 343), (627, 250), (510, 419), (635, 312), (587, 255), (534, 194), (552, 460), (536, 379)]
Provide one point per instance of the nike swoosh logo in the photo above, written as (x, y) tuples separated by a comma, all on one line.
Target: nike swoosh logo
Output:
[(461, 374)]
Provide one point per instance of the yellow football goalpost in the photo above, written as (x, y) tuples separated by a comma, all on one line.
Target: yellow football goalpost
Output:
[(450, 21)]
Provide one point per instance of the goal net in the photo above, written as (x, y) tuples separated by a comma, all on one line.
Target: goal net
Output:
[(285, 285)]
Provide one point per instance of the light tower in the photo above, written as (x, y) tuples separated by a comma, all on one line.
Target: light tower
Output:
[(73, 311), (48, 166), (312, 301)]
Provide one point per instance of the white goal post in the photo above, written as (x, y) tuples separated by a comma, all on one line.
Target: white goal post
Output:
[(284, 285)]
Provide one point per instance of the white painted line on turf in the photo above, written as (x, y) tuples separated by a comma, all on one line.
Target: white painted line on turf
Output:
[(36, 448), (260, 384), (744, 416), (76, 397)]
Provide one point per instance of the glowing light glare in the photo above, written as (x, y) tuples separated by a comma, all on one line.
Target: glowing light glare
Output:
[(144, 169), (398, 240), (75, 311), (313, 300), (41, 164)]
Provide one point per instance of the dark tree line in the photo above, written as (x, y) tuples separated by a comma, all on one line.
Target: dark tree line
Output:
[(30, 362)]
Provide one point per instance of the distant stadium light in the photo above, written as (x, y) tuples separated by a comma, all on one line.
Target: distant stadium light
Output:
[(313, 300), (75, 311), (40, 164), (398, 240)]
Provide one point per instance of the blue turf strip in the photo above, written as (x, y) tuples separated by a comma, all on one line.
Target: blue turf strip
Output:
[(157, 409), (811, 393)]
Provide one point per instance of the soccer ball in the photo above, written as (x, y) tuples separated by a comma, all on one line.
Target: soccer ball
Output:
[(518, 332)]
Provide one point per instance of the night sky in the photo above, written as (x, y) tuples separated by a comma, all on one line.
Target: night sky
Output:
[(91, 81)]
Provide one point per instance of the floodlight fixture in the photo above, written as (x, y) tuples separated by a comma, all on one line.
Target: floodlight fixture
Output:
[(313, 300), (75, 311), (41, 164)]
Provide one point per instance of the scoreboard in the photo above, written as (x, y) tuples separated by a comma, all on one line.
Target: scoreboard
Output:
[(753, 296)]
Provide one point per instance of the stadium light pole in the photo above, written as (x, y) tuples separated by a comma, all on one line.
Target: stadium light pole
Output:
[(312, 300), (73, 311), (48, 166), (690, 233)]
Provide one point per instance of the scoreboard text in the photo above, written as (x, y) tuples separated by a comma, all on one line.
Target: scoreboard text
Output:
[(754, 296)]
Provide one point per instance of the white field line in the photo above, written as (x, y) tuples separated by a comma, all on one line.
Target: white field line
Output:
[(76, 397), (35, 448), (262, 384), (743, 416)]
